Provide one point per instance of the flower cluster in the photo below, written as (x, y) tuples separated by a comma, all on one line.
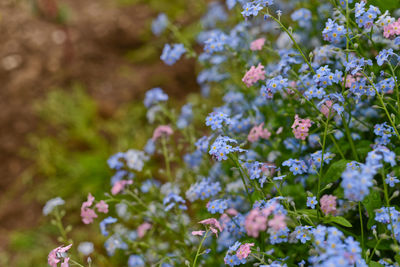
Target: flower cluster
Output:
[(282, 192)]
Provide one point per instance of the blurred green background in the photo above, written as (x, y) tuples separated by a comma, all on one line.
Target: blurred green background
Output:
[(73, 77)]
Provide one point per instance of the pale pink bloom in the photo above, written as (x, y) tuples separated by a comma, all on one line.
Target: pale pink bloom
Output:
[(57, 254), (326, 108), (162, 130), (388, 30), (198, 233), (269, 168), (89, 201), (244, 251), (258, 132), (102, 207), (224, 220), (255, 222), (328, 204), (119, 186), (257, 44), (214, 225), (232, 212), (396, 27), (143, 228), (277, 222), (300, 127), (87, 213), (65, 262), (279, 131), (253, 75), (349, 80)]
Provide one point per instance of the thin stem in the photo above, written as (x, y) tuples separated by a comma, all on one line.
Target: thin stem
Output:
[(166, 157), (396, 86), (293, 40), (337, 146), (362, 228), (348, 134), (322, 157), (385, 190), (199, 248), (236, 161), (383, 105)]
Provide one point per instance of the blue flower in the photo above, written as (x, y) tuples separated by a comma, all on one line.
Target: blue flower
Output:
[(135, 261), (383, 56), (221, 148), (104, 223), (172, 54), (173, 200), (311, 202), (154, 96), (159, 24), (218, 205), (114, 161), (303, 17), (391, 180), (217, 119), (296, 166)]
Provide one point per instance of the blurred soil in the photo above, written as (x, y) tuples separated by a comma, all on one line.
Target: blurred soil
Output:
[(38, 52)]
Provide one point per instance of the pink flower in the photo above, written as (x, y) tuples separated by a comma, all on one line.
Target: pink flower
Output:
[(87, 213), (232, 212), (256, 221), (269, 169), (396, 27), (198, 233), (89, 201), (300, 127), (214, 225), (278, 222), (102, 206), (119, 186), (349, 80), (244, 251), (253, 75), (143, 228), (57, 254), (257, 44), (258, 132), (388, 30), (326, 108), (65, 263), (328, 204), (162, 130)]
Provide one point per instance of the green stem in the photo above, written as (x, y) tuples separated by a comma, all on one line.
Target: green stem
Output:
[(337, 146), (293, 40), (362, 229), (199, 248), (383, 105), (60, 225), (166, 157), (397, 87), (348, 134), (385, 190), (322, 157)]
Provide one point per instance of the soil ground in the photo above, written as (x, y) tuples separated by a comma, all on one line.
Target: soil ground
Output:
[(103, 46)]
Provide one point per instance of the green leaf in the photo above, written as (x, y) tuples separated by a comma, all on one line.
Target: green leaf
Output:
[(339, 220), (310, 213), (371, 203), (335, 171), (374, 264), (397, 258)]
